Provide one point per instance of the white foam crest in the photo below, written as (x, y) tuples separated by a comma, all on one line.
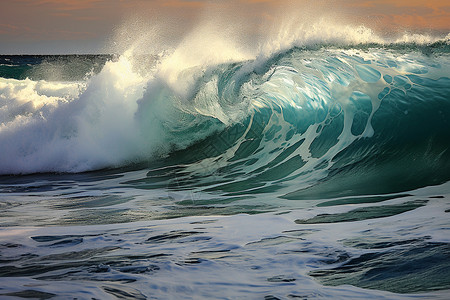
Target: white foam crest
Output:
[(116, 117), (176, 68), (420, 39), (295, 32), (63, 131), (209, 44), (26, 97)]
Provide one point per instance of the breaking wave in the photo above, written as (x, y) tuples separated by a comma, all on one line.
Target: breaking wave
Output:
[(298, 112)]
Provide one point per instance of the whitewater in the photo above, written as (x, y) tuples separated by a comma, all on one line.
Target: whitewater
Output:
[(313, 165)]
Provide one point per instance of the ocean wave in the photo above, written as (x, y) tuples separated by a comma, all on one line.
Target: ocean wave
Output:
[(297, 115)]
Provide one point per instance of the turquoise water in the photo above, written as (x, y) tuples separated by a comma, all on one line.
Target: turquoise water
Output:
[(314, 172)]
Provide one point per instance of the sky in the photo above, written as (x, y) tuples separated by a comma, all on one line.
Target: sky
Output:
[(104, 26)]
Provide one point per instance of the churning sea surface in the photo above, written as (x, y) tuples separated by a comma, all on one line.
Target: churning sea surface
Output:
[(310, 172)]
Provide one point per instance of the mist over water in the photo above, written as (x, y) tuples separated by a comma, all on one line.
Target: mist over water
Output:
[(309, 160)]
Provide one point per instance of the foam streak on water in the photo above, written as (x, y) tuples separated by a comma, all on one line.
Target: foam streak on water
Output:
[(224, 257)]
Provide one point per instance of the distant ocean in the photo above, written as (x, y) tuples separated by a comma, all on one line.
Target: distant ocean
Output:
[(314, 171)]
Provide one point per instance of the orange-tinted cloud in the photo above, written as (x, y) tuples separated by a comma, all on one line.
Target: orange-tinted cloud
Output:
[(182, 4), (8, 28), (406, 14), (65, 4)]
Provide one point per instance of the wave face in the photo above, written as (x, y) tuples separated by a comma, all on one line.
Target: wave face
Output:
[(368, 122), (368, 116)]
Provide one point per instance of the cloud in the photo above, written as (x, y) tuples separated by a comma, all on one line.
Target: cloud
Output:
[(181, 4), (65, 5), (405, 14), (8, 29)]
